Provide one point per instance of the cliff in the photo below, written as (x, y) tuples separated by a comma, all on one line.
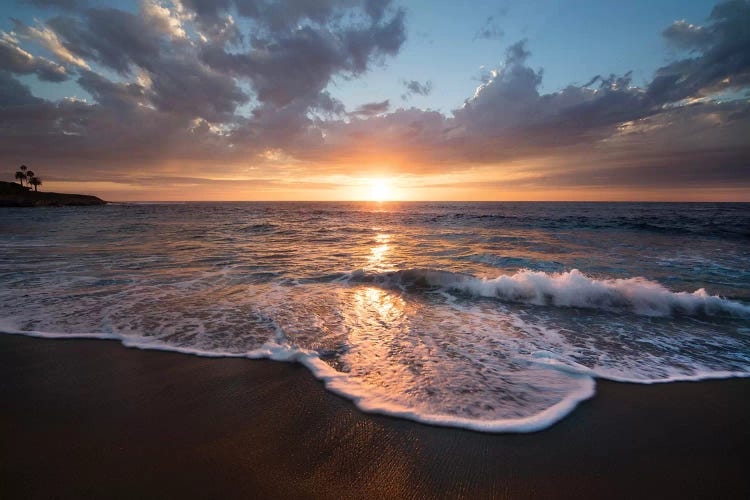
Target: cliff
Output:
[(14, 195)]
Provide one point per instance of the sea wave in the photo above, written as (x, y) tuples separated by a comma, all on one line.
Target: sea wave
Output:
[(567, 289)]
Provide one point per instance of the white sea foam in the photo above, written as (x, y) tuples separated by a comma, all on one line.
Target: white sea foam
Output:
[(365, 399), (378, 402), (429, 358), (575, 289)]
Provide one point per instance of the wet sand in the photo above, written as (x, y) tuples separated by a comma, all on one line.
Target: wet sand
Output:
[(87, 418)]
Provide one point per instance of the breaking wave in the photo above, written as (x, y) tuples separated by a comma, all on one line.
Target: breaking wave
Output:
[(568, 289)]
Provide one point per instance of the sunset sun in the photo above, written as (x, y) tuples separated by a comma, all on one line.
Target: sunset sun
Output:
[(380, 190)]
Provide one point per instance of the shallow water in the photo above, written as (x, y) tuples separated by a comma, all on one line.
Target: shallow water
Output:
[(492, 316)]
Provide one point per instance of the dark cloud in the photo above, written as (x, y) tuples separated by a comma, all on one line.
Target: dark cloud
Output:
[(508, 99), (212, 17), (702, 145), (16, 60), (489, 30), (723, 60), (413, 87), (509, 103), (275, 16), (684, 35), (147, 45), (114, 38), (296, 66), (187, 87), (376, 8), (371, 109), (117, 96), (13, 94), (63, 4)]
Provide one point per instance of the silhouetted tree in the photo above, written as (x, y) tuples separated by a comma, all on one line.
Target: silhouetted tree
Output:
[(24, 175), (29, 174), (36, 182)]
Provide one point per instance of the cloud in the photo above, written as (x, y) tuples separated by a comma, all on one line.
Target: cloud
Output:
[(509, 98), (413, 87), (723, 55), (48, 39), (278, 16), (509, 103), (63, 4), (607, 122), (16, 60), (290, 67), (115, 96), (371, 109), (13, 94), (489, 30), (110, 37), (299, 65), (166, 20), (179, 88), (684, 35), (696, 146), (151, 44)]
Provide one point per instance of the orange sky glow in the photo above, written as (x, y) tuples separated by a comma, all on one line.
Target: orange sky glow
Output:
[(399, 189)]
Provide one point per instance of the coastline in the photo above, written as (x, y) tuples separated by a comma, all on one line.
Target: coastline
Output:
[(94, 418), (14, 195)]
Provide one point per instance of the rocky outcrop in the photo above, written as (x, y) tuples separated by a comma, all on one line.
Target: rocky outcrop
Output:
[(15, 195)]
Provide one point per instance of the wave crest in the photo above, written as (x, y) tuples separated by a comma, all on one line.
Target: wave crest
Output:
[(568, 289)]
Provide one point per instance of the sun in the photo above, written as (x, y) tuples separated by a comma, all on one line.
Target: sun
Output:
[(380, 190)]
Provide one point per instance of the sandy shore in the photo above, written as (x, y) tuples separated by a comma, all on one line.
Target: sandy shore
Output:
[(95, 419)]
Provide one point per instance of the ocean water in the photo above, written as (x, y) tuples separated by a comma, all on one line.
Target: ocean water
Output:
[(489, 316)]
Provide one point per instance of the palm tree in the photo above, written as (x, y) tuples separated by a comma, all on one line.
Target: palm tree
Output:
[(23, 175), (36, 182), (29, 174)]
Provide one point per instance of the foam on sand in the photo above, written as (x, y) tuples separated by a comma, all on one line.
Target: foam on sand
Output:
[(341, 384)]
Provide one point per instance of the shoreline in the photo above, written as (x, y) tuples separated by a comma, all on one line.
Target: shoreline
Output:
[(82, 417)]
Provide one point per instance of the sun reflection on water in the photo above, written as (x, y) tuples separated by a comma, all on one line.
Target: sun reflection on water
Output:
[(385, 353), (378, 320), (378, 258)]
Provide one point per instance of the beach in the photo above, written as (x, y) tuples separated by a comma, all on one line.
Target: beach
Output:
[(366, 249), (91, 418)]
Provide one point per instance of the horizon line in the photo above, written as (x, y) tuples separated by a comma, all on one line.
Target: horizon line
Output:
[(425, 201)]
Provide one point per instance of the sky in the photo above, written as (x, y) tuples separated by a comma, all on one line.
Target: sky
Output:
[(378, 99)]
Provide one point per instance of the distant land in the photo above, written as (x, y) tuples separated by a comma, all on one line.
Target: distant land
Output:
[(15, 195)]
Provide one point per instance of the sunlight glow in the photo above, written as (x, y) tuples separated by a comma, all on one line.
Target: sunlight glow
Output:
[(380, 190)]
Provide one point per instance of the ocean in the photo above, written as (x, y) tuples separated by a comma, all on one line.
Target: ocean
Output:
[(496, 317)]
